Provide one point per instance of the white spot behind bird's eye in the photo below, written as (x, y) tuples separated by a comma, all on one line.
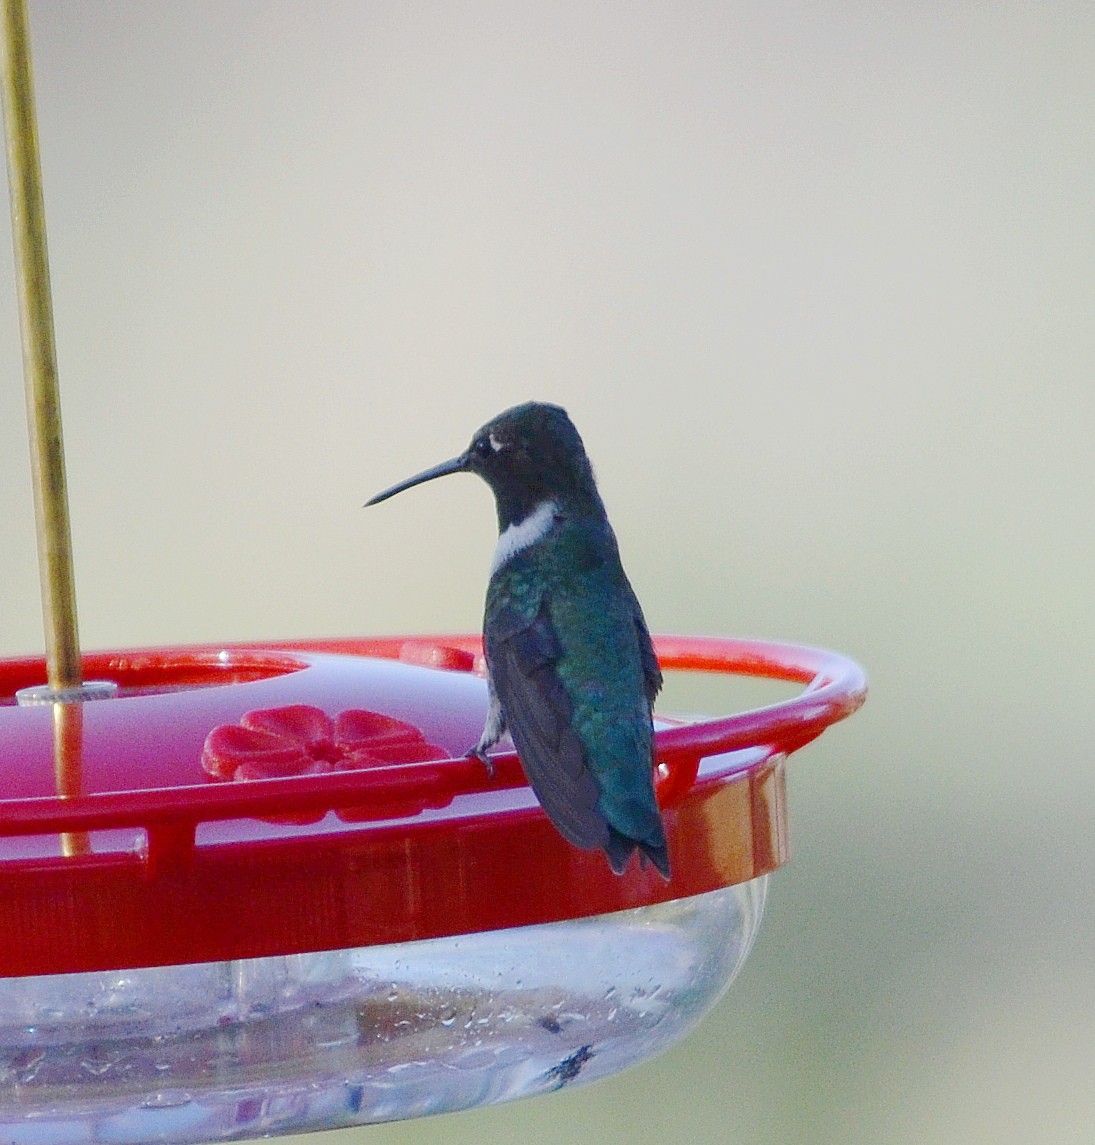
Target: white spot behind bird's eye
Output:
[(521, 534), (495, 444)]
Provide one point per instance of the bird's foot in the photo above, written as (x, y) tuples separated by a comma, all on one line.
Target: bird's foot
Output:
[(480, 754)]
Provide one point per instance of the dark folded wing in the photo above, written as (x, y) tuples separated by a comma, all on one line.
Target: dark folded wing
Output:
[(523, 659)]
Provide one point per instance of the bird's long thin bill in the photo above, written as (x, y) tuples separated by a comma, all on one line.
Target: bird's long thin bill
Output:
[(454, 465)]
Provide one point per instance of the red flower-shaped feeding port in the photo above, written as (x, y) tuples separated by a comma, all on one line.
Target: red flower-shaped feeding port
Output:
[(271, 743)]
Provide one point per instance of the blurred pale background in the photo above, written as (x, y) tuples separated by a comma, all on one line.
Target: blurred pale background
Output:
[(817, 285)]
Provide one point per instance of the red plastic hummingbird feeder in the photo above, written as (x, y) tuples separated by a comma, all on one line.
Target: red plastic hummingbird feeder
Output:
[(258, 889), (360, 924)]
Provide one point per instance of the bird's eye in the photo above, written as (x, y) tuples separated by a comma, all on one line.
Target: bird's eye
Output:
[(488, 446)]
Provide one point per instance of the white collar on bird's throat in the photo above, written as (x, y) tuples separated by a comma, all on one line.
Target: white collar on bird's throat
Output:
[(521, 534)]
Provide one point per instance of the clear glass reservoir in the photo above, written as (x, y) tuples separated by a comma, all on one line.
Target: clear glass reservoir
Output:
[(216, 1051)]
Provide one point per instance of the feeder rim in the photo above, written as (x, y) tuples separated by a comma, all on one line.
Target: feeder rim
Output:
[(835, 688)]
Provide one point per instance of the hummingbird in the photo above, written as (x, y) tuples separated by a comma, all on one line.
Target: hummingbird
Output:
[(571, 669)]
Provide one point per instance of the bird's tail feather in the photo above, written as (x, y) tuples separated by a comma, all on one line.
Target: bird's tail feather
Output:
[(619, 849)]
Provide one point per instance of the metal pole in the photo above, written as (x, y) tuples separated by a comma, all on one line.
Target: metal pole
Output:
[(39, 354)]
